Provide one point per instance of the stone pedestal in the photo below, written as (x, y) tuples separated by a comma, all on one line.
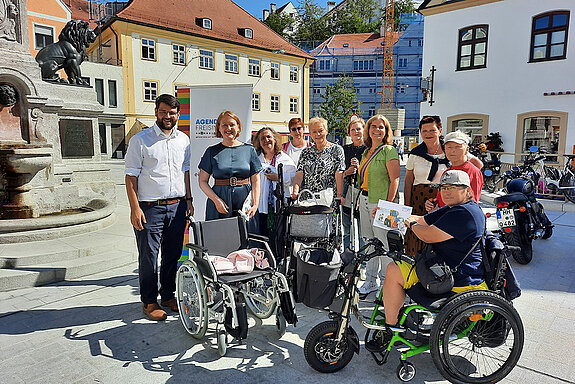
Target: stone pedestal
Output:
[(52, 161)]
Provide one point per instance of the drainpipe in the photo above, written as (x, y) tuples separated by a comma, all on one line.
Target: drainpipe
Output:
[(117, 49), (303, 89)]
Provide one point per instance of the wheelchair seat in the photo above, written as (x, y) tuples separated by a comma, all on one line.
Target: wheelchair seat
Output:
[(242, 277), (432, 302)]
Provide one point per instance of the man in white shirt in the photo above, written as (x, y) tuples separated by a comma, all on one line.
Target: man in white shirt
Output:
[(298, 142), (158, 188)]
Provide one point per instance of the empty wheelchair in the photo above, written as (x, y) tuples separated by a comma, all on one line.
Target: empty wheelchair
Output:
[(474, 337), (205, 296)]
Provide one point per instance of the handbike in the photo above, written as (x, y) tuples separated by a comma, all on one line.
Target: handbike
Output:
[(474, 337)]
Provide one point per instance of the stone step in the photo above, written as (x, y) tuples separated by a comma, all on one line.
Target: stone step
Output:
[(46, 273)]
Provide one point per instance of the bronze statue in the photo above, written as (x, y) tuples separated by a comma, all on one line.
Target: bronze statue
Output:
[(68, 53)]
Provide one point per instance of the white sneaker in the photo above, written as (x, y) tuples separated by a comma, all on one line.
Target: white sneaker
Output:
[(368, 287)]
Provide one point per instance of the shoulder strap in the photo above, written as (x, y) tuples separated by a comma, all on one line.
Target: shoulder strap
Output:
[(364, 168), (286, 145), (470, 251)]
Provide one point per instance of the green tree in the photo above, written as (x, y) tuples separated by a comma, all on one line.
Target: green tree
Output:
[(339, 103), (402, 6), (279, 22), (311, 25), (358, 16)]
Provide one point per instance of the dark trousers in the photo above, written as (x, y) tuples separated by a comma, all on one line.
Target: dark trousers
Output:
[(163, 230)]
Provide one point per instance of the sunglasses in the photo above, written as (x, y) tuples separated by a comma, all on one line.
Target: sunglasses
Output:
[(451, 188), (296, 129)]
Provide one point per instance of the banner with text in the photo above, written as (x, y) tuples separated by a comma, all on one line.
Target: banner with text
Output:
[(200, 107)]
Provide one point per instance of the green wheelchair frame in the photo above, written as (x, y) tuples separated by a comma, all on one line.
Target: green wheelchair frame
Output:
[(465, 324)]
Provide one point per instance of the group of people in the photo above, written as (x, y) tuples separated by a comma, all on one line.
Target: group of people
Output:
[(360, 174)]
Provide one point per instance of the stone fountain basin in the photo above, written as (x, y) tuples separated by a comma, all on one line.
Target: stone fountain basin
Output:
[(95, 210), (25, 158)]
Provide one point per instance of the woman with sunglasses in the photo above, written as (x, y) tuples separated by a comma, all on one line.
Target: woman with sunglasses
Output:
[(452, 231), (298, 142), (425, 165)]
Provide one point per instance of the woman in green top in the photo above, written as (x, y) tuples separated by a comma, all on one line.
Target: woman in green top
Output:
[(378, 180)]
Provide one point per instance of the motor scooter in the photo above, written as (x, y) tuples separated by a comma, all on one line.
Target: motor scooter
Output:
[(521, 218)]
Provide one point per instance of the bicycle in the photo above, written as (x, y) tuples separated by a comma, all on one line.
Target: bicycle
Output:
[(551, 180)]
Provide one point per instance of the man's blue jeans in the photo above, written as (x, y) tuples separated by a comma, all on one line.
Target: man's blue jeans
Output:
[(163, 230)]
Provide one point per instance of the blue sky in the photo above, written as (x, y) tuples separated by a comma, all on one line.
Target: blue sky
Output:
[(255, 7)]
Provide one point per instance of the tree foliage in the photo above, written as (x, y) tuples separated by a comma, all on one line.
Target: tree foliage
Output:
[(353, 16), (279, 22), (311, 25), (339, 103)]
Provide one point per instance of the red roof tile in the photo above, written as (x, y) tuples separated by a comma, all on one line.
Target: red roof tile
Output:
[(226, 16), (80, 11), (354, 40)]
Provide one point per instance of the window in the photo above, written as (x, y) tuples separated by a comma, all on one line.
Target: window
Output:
[(43, 36), (254, 67), (472, 48), (293, 105), (317, 91), (179, 54), (275, 103), (102, 131), (99, 85), (150, 90), (549, 36), (542, 131), (402, 62), (207, 23), (363, 65), (112, 94), (206, 59), (231, 63), (371, 110), (275, 71), (148, 49), (324, 65), (255, 101), (248, 33), (293, 73), (471, 127)]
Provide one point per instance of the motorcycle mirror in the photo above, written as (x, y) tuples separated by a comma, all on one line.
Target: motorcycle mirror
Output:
[(533, 149), (488, 173)]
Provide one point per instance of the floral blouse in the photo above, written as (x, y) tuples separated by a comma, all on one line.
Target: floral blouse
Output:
[(319, 167)]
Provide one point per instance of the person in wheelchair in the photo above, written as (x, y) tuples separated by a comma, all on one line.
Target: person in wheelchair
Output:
[(452, 231)]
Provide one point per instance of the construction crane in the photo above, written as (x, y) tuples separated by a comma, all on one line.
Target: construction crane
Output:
[(388, 74)]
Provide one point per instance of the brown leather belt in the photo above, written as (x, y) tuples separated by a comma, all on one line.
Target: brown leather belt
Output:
[(164, 201), (233, 181)]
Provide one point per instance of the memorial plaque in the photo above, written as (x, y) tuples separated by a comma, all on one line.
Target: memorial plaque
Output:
[(76, 138)]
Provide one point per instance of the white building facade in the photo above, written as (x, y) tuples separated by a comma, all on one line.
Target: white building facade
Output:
[(504, 66)]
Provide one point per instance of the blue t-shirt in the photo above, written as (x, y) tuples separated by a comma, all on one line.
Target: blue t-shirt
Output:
[(466, 223)]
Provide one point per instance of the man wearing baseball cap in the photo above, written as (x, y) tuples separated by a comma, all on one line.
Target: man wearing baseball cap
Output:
[(456, 148)]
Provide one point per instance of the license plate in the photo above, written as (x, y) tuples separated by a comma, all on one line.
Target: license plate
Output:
[(506, 218)]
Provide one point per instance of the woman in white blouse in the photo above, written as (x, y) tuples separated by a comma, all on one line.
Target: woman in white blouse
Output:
[(271, 156)]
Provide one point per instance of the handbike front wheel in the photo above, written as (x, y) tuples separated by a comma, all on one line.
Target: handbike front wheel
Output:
[(567, 183), (476, 338), (322, 352)]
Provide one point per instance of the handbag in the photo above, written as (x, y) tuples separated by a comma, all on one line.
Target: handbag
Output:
[(433, 272)]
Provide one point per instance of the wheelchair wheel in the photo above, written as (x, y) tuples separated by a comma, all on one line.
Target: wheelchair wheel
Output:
[(476, 338), (281, 323), (192, 301), (322, 352), (261, 297), (222, 342)]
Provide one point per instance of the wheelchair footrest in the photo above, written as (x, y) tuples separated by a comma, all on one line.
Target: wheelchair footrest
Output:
[(382, 359)]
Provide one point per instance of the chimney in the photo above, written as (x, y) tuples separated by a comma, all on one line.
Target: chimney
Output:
[(330, 5), (273, 8), (266, 15)]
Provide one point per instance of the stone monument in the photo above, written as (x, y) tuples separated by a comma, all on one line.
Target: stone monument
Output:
[(49, 149)]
